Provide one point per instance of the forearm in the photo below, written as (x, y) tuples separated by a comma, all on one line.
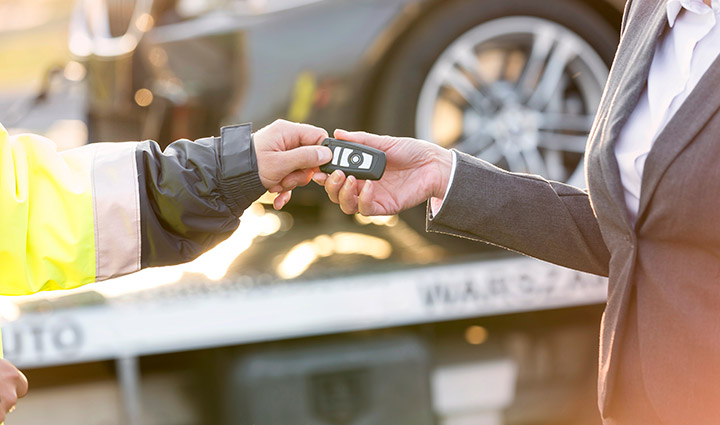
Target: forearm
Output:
[(193, 193), (109, 209), (528, 214)]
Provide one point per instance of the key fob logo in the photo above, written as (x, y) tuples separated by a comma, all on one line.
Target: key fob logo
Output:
[(347, 157)]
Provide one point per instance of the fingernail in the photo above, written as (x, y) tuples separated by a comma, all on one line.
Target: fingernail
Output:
[(335, 177), (324, 155)]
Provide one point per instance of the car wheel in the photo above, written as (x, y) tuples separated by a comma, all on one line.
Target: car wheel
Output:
[(516, 83)]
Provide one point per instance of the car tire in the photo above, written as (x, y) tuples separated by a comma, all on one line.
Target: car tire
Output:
[(395, 102)]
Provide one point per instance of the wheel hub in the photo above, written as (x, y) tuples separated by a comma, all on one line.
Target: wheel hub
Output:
[(515, 127)]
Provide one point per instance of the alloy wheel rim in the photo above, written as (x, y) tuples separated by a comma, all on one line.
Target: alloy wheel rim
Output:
[(519, 92)]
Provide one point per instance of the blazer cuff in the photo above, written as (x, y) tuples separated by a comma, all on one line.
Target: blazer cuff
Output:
[(453, 210), (434, 205)]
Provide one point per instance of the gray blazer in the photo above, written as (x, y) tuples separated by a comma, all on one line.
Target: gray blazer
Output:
[(660, 334)]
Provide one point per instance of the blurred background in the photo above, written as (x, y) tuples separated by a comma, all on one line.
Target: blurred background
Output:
[(308, 316)]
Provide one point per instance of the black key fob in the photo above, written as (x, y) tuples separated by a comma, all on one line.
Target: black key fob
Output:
[(354, 159)]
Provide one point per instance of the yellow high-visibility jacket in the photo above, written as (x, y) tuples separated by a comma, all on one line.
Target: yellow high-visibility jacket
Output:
[(108, 209)]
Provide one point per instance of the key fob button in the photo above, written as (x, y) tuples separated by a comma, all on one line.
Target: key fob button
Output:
[(356, 158)]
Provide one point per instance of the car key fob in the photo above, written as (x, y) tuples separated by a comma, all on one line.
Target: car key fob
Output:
[(354, 159)]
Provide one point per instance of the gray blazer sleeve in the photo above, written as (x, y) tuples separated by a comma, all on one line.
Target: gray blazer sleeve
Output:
[(626, 15), (192, 194), (524, 213)]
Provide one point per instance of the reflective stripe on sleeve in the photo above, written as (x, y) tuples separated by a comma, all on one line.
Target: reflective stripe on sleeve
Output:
[(117, 209)]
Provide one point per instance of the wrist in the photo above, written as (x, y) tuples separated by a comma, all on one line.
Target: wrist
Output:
[(442, 166)]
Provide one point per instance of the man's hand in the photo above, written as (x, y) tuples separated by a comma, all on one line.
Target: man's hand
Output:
[(416, 170), (13, 385), (288, 155)]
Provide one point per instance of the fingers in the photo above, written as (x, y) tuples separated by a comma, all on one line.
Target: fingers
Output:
[(333, 185), (284, 147), (275, 167), (320, 178), (366, 206), (296, 134), (344, 191), (304, 157), (281, 200), (372, 140), (293, 180), (348, 196)]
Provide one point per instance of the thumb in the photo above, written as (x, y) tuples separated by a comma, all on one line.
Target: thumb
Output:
[(305, 157)]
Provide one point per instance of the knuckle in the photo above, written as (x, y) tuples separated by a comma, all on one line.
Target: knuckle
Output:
[(277, 124), (283, 123)]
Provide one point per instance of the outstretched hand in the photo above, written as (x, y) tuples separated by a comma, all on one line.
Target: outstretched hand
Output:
[(416, 170), (288, 154)]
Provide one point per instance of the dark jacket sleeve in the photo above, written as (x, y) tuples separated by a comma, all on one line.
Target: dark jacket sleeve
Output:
[(192, 194), (524, 213)]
